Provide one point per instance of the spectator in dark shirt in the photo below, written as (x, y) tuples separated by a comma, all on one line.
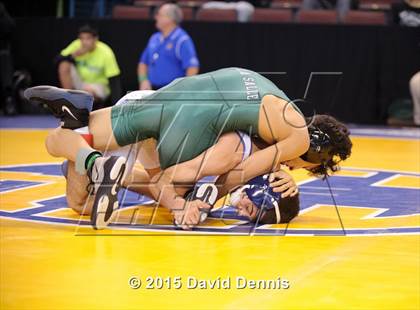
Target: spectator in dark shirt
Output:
[(406, 13), (7, 103)]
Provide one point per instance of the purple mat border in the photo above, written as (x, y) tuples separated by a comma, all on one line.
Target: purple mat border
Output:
[(28, 122)]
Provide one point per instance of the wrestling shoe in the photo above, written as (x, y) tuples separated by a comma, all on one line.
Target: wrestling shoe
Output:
[(107, 174), (71, 106), (207, 193)]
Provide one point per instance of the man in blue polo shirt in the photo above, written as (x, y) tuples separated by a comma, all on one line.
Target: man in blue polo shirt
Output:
[(170, 53)]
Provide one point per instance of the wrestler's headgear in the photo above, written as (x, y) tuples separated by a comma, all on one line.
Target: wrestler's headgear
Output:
[(320, 147), (268, 202)]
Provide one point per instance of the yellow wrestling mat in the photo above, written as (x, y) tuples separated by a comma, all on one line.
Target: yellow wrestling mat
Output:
[(362, 254)]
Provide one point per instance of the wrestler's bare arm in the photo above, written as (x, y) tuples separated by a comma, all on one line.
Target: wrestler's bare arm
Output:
[(268, 160), (222, 157), (283, 127)]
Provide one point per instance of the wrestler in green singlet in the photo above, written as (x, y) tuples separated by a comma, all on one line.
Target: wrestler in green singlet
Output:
[(187, 116)]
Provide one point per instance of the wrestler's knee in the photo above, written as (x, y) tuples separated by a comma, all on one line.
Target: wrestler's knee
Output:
[(51, 141)]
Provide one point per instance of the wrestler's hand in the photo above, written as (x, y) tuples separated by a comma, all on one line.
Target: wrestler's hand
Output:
[(283, 183), (188, 215)]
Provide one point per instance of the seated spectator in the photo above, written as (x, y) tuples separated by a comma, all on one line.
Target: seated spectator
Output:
[(406, 13), (342, 6), (170, 53), (243, 9), (90, 65), (7, 102), (415, 94)]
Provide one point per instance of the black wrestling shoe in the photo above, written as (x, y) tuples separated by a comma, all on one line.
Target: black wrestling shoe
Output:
[(206, 192), (71, 106), (107, 174)]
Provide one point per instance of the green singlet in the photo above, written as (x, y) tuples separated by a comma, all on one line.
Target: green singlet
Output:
[(187, 116)]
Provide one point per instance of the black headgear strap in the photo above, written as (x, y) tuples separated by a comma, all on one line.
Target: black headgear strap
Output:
[(319, 153)]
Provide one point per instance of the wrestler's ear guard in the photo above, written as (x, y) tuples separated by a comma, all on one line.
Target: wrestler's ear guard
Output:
[(319, 148)]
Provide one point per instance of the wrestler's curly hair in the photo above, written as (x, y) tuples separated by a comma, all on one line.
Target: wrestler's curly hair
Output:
[(340, 148)]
